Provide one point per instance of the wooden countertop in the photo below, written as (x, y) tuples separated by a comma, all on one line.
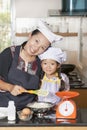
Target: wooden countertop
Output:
[(43, 128)]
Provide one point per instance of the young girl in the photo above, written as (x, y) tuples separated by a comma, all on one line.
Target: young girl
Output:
[(53, 80)]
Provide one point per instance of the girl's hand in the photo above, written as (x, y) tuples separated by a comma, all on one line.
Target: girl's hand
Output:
[(17, 90)]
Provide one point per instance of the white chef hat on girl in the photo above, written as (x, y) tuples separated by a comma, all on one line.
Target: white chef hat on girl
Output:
[(44, 29), (53, 53)]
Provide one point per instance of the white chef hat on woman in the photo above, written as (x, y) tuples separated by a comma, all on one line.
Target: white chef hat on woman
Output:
[(53, 53), (44, 29)]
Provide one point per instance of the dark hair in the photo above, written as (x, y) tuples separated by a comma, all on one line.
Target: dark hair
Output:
[(62, 88), (62, 81), (33, 33)]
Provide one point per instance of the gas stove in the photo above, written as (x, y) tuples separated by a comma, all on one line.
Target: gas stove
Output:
[(75, 80), (73, 74)]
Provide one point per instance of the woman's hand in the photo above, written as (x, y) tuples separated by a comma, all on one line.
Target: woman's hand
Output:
[(17, 90)]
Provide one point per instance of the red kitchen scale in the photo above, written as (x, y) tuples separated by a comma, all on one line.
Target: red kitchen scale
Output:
[(66, 108)]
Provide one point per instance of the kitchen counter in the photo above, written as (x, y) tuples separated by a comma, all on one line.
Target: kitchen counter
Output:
[(81, 120)]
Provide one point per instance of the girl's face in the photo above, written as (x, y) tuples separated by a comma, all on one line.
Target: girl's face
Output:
[(37, 44), (49, 66)]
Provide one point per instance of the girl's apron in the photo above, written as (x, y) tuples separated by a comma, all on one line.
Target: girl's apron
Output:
[(52, 86), (18, 77)]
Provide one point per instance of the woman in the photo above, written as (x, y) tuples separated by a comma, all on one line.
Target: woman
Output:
[(20, 67)]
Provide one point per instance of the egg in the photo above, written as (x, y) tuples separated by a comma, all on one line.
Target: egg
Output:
[(26, 111), (25, 114)]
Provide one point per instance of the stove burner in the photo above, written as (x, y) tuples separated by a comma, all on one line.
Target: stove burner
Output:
[(41, 114), (76, 83)]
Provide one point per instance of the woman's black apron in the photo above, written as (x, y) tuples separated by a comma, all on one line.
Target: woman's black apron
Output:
[(18, 77)]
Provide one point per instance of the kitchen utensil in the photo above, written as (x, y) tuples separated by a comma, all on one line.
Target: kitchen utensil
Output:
[(40, 109), (39, 92), (66, 68), (40, 106)]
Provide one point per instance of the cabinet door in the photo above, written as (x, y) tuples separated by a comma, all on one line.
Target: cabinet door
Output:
[(81, 100)]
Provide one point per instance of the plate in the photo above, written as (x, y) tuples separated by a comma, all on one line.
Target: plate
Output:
[(3, 112)]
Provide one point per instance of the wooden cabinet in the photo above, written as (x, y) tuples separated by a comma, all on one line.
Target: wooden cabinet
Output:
[(81, 100)]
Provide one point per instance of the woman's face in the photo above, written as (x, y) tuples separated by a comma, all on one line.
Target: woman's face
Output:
[(49, 66), (37, 44)]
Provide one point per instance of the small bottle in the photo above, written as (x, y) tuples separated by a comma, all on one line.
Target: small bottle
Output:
[(11, 111)]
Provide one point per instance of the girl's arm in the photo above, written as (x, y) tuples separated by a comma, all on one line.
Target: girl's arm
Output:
[(65, 79)]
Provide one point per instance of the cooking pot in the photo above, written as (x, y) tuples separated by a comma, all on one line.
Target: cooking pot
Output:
[(66, 68), (40, 109), (40, 106)]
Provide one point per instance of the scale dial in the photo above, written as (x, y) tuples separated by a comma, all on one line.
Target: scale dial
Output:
[(66, 108)]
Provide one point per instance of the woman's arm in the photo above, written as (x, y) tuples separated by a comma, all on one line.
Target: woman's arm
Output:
[(13, 89), (5, 86)]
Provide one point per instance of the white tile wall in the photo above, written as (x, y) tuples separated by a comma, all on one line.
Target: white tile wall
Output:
[(63, 24)]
